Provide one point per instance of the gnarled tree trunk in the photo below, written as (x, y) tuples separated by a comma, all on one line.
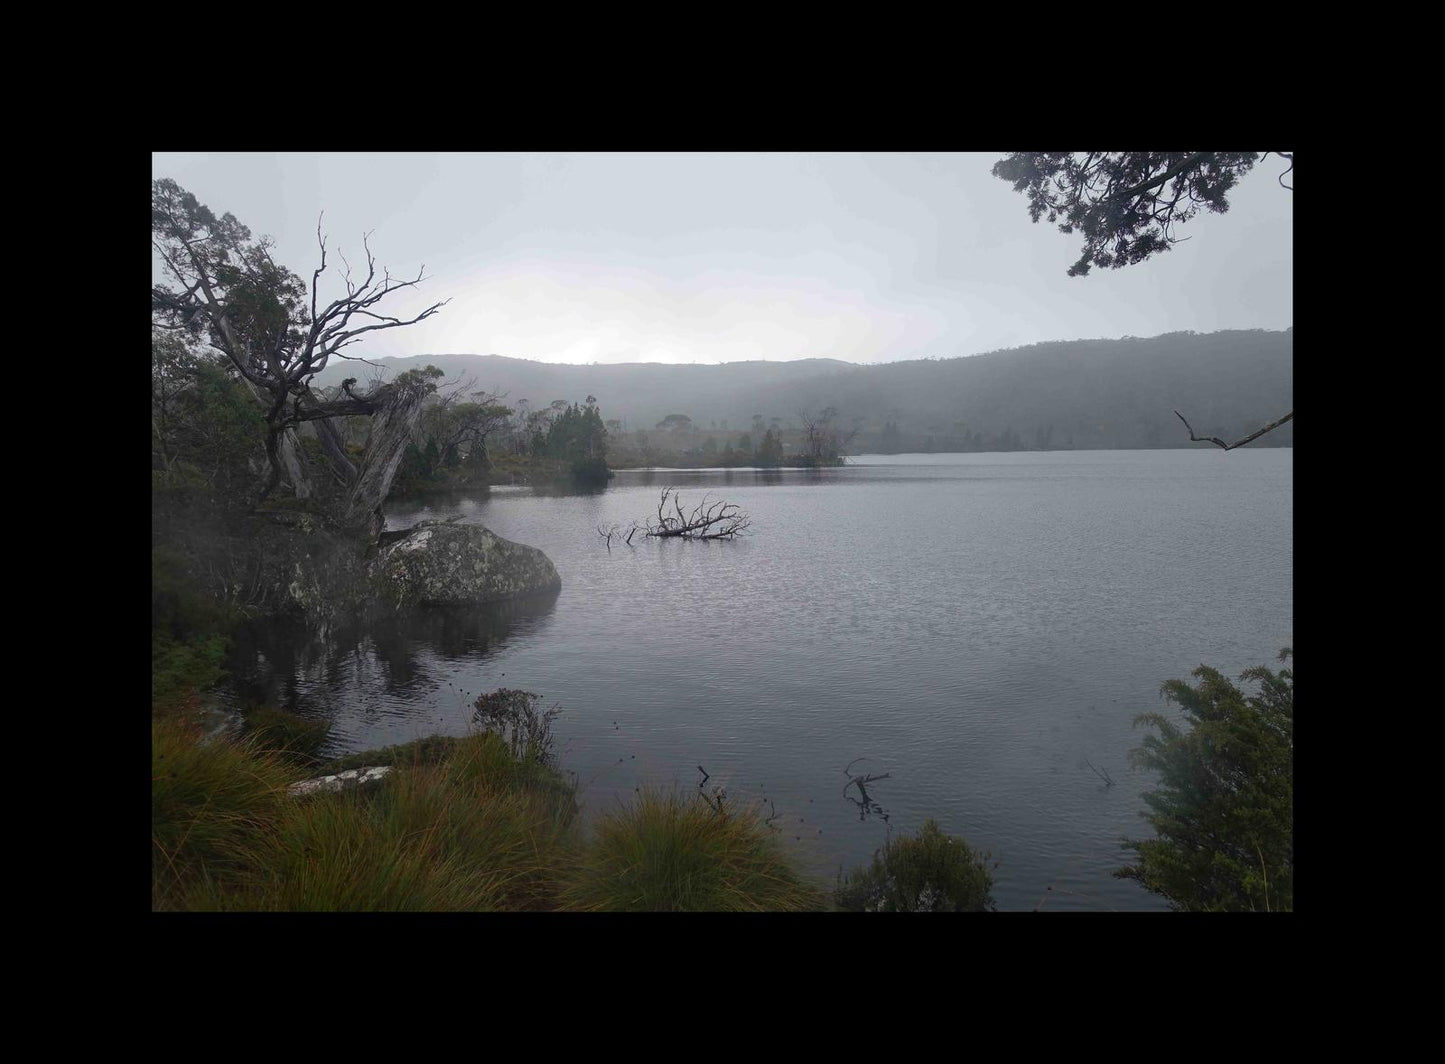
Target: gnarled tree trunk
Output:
[(392, 427), (286, 447)]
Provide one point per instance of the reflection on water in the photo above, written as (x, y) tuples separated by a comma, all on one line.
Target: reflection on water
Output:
[(981, 628), (283, 664)]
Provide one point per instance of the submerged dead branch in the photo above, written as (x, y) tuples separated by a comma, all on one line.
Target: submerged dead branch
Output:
[(615, 531), (864, 802), (718, 520)]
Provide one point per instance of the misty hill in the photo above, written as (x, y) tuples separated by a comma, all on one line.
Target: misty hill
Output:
[(1076, 394)]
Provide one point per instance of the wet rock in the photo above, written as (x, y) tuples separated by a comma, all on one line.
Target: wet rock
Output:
[(447, 564)]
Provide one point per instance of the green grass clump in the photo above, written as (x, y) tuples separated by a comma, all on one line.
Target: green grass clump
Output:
[(933, 872), (669, 853), (460, 824), (476, 830), (209, 802)]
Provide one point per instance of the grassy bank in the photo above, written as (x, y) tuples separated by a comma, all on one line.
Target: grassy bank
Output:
[(483, 822), (461, 824)]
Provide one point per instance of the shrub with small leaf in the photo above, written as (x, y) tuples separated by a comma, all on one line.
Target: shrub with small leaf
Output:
[(932, 872), (516, 718)]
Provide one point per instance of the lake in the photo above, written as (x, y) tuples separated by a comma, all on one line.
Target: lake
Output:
[(981, 628)]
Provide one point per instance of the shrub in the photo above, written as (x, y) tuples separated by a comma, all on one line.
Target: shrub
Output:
[(188, 632), (931, 873), (667, 853), (178, 669), (514, 717), (1224, 812)]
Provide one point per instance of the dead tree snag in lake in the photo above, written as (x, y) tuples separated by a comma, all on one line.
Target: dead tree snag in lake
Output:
[(718, 520), (864, 803)]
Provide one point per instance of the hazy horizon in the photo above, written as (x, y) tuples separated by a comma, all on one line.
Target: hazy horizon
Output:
[(819, 358), (733, 257)]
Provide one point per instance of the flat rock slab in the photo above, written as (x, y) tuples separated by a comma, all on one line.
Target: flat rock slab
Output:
[(342, 781)]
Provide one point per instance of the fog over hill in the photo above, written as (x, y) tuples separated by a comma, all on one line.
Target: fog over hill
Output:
[(1080, 394)]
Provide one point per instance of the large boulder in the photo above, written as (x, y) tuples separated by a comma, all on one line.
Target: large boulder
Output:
[(446, 564)]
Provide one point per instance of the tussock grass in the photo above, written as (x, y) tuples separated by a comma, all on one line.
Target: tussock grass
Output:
[(209, 802), (673, 853), (459, 824), (470, 834), (476, 830)]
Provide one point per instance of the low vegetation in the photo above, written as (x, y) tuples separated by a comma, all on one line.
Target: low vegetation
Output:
[(211, 802), (1223, 813), (668, 852), (929, 872), (487, 821), (461, 824)]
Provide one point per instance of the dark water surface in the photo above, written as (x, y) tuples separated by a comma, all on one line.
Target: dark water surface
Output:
[(976, 626)]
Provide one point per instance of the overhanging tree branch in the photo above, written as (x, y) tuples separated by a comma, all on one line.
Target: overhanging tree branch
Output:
[(1237, 443)]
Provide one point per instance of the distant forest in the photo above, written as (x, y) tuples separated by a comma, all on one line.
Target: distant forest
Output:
[(1080, 394)]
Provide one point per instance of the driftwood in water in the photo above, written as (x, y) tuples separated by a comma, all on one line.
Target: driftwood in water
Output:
[(719, 520)]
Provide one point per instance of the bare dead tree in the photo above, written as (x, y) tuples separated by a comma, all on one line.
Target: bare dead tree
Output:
[(1237, 443), (255, 312), (718, 520), (824, 440)]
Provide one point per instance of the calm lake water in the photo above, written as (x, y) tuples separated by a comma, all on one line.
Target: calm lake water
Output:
[(978, 627)]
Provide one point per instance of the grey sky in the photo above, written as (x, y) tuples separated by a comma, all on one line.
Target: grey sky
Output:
[(724, 257)]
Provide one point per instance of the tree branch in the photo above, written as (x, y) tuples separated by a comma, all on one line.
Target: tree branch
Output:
[(1238, 443)]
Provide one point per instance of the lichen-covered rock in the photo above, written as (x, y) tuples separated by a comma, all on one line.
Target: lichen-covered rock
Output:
[(447, 564), (343, 781)]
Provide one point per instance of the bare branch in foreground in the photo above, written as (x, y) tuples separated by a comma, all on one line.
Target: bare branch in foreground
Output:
[(1238, 443)]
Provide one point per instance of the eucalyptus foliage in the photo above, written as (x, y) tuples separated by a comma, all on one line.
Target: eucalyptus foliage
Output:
[(1124, 203)]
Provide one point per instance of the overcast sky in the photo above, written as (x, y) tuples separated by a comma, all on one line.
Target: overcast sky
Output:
[(724, 257)]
